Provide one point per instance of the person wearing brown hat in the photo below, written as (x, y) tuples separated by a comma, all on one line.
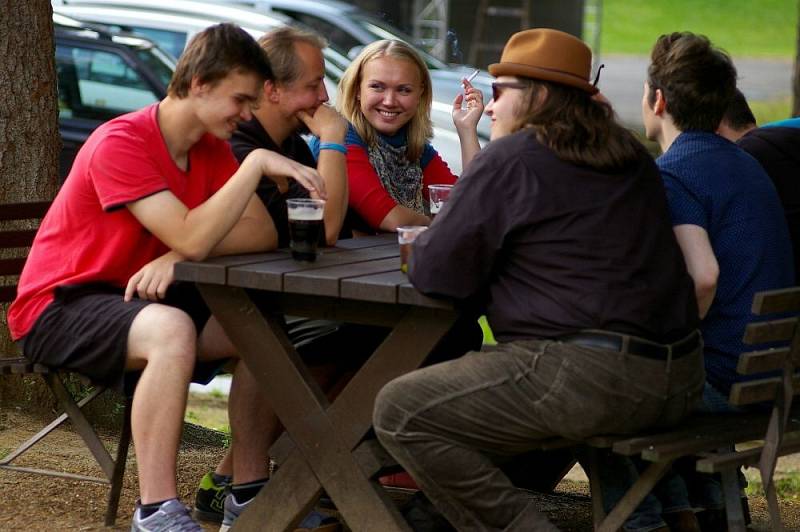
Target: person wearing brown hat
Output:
[(543, 233)]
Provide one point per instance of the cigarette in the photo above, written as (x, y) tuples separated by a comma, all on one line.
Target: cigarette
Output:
[(471, 77)]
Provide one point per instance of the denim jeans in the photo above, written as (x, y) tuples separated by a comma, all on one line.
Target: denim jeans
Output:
[(448, 423)]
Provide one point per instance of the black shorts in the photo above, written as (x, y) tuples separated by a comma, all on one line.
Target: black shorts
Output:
[(85, 329)]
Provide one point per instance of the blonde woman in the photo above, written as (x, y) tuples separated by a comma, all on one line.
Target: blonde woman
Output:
[(385, 95)]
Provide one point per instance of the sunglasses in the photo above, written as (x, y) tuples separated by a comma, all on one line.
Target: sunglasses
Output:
[(498, 86)]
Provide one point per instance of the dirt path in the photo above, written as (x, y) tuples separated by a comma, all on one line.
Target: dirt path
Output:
[(33, 502)]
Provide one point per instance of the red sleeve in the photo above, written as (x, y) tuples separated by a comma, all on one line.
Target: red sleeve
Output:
[(367, 196), (436, 172), (122, 170)]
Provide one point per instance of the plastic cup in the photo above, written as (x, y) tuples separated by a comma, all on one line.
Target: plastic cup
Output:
[(438, 195), (405, 236)]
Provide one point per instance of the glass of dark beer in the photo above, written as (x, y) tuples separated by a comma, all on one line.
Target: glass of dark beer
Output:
[(305, 227), (438, 195)]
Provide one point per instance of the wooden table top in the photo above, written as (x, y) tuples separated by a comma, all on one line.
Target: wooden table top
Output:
[(360, 269)]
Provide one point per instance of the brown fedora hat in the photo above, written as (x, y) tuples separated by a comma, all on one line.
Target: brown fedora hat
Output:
[(549, 55)]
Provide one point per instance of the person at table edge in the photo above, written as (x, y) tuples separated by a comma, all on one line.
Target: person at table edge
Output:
[(560, 229), (147, 190)]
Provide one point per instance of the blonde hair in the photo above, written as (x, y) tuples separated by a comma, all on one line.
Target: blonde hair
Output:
[(420, 129)]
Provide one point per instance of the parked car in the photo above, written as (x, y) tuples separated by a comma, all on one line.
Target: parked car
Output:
[(101, 76), (172, 24)]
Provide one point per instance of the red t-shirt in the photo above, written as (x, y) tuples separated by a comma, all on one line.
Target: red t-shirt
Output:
[(88, 235)]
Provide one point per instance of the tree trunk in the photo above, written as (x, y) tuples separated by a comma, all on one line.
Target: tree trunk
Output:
[(29, 140), (796, 83)]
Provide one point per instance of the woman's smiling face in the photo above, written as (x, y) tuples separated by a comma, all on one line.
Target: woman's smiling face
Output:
[(390, 93)]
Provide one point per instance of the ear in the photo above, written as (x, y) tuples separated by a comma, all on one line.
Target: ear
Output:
[(197, 87), (660, 105), (271, 91)]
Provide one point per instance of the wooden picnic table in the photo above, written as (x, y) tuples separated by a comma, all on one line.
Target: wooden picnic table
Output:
[(357, 281)]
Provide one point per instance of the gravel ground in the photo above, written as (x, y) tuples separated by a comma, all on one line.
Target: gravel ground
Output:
[(33, 502)]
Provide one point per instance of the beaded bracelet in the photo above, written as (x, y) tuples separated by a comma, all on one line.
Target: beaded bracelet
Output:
[(335, 146)]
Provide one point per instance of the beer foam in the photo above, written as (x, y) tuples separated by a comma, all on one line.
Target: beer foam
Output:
[(305, 213)]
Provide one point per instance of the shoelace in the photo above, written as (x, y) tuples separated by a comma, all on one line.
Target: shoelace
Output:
[(180, 522)]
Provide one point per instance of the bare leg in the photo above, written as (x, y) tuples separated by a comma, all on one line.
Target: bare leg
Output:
[(162, 342), (254, 425)]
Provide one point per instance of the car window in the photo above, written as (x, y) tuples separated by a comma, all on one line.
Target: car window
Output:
[(97, 84), (172, 41), (339, 39), (158, 63)]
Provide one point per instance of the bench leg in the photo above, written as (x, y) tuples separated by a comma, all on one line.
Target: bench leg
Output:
[(774, 510), (119, 465), (733, 501), (634, 496), (595, 489)]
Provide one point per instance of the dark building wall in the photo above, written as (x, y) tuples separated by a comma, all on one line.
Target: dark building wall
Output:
[(565, 15)]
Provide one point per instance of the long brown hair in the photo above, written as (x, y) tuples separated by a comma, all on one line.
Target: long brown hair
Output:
[(578, 128), (420, 129)]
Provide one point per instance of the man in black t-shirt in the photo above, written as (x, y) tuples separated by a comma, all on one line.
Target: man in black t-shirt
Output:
[(295, 100), (777, 147)]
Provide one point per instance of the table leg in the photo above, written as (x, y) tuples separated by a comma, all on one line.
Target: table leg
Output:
[(324, 440)]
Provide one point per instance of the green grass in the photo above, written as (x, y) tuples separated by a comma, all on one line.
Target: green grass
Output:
[(744, 28), (786, 487), (771, 110)]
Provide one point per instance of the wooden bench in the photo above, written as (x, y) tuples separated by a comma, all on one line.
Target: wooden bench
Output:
[(14, 242), (709, 439)]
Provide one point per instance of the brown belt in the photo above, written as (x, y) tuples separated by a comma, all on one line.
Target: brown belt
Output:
[(635, 346)]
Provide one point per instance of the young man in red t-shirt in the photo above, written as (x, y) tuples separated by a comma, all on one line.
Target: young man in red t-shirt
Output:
[(147, 190)]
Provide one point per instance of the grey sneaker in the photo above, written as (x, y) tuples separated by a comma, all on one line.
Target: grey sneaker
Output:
[(172, 516), (314, 521)]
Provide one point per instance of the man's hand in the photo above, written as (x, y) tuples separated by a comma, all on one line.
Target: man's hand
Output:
[(326, 124), (152, 281), (279, 168), (466, 118)]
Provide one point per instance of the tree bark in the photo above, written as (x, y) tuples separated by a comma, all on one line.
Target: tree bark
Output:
[(796, 83), (29, 139)]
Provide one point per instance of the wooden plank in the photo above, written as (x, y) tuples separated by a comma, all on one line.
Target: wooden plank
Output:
[(380, 287), (408, 295), (773, 301), (693, 427), (214, 270), (23, 211), (367, 241), (269, 275), (20, 238), (737, 430), (327, 281), (720, 462), (762, 361), (757, 391), (11, 266), (770, 331)]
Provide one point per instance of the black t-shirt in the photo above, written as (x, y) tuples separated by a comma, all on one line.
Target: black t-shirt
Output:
[(250, 136), (778, 151), (548, 248)]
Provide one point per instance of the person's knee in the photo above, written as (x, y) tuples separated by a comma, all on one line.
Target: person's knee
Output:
[(161, 333), (391, 409)]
